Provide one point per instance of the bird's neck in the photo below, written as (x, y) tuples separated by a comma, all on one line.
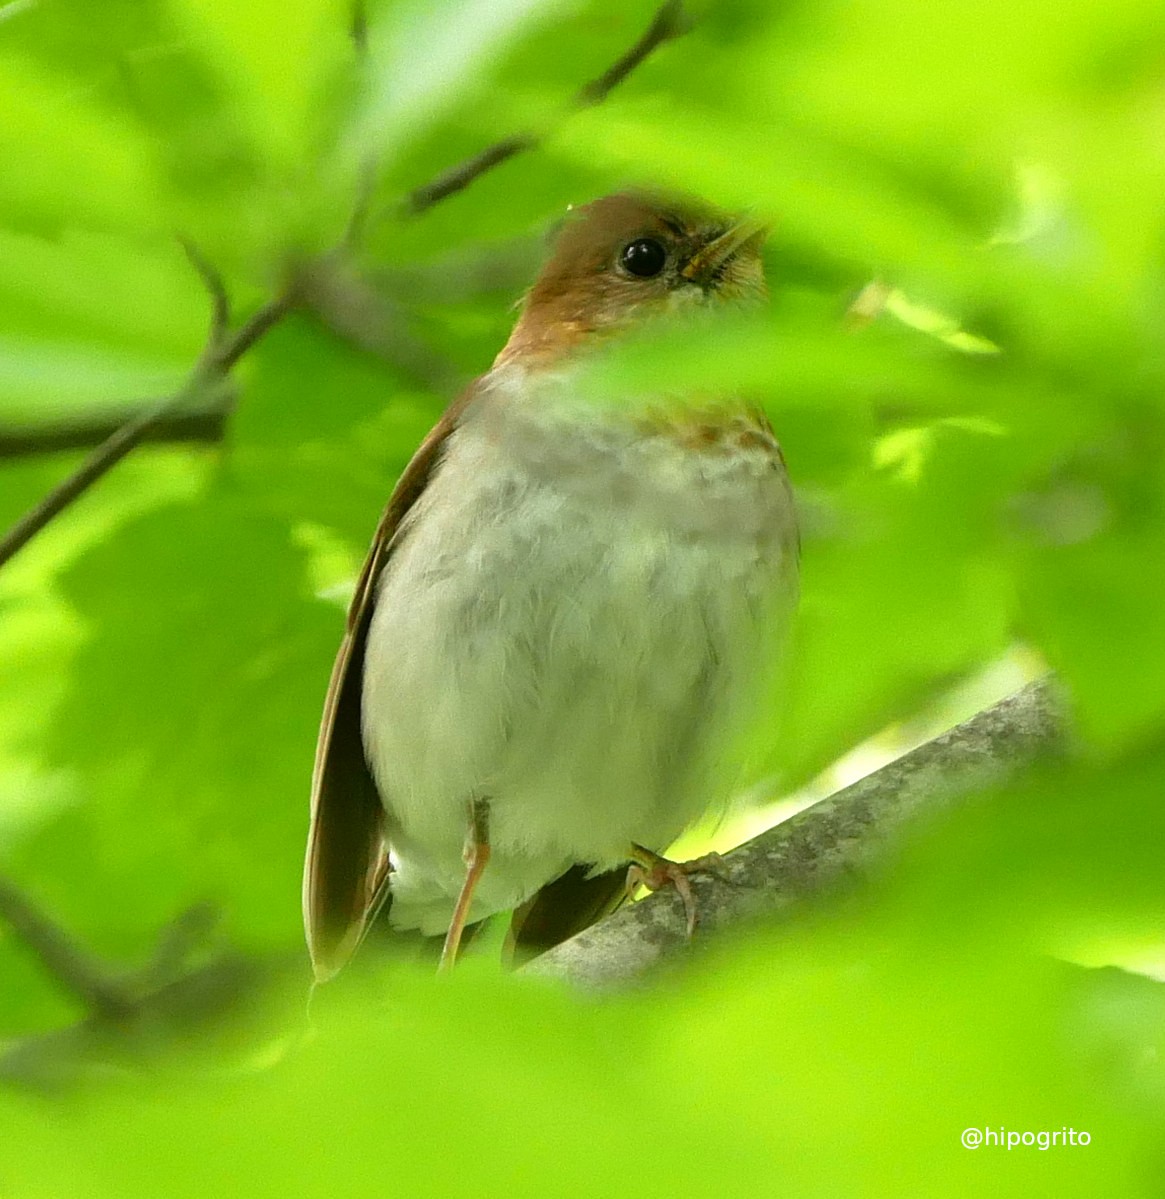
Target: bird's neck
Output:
[(544, 392), (541, 344)]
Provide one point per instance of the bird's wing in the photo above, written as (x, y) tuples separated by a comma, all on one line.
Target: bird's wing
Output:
[(562, 908), (347, 856)]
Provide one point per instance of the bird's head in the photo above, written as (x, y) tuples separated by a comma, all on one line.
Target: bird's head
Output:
[(630, 257)]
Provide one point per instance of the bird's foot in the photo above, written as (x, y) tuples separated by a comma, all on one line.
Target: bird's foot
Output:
[(653, 871)]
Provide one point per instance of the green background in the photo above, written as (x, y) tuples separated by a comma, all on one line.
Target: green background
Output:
[(980, 475)]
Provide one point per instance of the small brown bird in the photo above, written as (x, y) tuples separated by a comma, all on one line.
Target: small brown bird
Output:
[(561, 617)]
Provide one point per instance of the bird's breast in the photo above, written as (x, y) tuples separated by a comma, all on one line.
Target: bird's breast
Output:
[(698, 467), (572, 611)]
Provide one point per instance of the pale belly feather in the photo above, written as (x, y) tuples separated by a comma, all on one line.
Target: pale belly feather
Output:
[(569, 627)]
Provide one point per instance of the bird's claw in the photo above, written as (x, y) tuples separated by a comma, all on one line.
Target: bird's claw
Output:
[(651, 870)]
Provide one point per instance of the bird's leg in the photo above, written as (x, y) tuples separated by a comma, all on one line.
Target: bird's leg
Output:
[(476, 858), (651, 870)]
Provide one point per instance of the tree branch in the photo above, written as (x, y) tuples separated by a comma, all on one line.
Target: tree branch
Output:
[(841, 836), (25, 441), (73, 969), (132, 1016), (358, 26), (220, 302), (229, 350), (104, 458), (368, 317), (206, 381), (175, 999), (225, 349), (669, 22)]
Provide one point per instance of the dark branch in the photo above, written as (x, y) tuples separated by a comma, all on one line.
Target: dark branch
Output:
[(180, 994), (461, 176), (669, 22), (104, 458), (368, 317), (207, 381), (220, 304), (358, 26), (70, 966), (182, 427), (235, 346)]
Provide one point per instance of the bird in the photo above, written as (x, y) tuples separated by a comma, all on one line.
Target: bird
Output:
[(563, 615)]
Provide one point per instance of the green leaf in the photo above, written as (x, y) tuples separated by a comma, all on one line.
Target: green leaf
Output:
[(423, 58), (51, 138), (274, 62)]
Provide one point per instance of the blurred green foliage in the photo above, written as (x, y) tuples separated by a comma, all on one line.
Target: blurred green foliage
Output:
[(165, 645)]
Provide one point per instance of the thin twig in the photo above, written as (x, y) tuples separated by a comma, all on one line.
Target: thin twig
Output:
[(361, 210), (70, 966), (207, 375), (220, 304), (366, 317), (105, 457), (188, 932), (235, 346), (133, 1016), (358, 26), (366, 184), (461, 176), (669, 22)]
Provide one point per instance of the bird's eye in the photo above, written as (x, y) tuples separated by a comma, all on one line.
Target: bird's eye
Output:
[(643, 257)]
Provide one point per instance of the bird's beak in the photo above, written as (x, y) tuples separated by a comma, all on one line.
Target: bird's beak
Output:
[(704, 264)]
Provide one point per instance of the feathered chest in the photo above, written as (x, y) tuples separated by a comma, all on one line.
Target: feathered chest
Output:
[(708, 469), (571, 610)]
